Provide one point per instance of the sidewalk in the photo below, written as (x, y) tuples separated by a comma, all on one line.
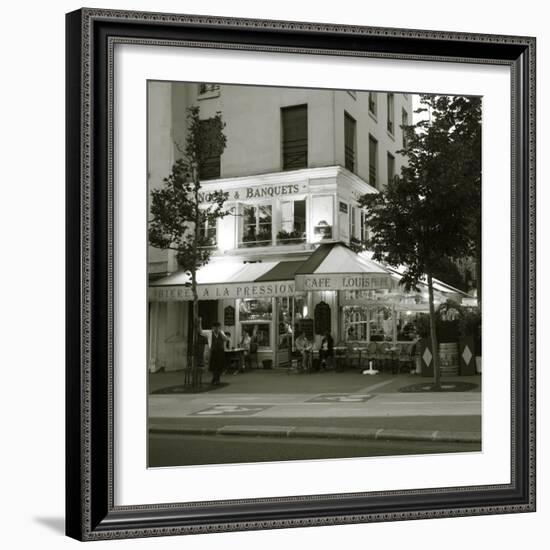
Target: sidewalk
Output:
[(322, 405)]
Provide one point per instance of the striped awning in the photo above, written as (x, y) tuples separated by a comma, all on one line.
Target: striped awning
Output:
[(332, 266)]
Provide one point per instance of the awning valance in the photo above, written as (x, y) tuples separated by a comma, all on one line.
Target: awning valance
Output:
[(218, 280), (332, 266)]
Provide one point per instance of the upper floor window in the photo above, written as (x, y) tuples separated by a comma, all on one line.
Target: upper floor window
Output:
[(322, 217), (391, 167), (293, 222), (350, 140), (372, 103), (256, 225), (211, 166), (390, 110), (373, 161), (352, 223), (404, 122), (208, 233), (294, 135)]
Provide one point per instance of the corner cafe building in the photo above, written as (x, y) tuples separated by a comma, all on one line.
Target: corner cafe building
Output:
[(282, 265)]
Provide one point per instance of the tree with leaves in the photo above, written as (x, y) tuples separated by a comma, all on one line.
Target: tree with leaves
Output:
[(425, 216), (180, 218)]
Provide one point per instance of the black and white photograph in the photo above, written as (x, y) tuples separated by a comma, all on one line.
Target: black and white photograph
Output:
[(270, 275), (314, 273)]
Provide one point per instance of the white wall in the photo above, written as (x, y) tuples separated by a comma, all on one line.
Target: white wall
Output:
[(32, 404)]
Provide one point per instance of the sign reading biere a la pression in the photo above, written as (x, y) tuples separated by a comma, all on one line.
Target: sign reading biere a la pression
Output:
[(220, 291)]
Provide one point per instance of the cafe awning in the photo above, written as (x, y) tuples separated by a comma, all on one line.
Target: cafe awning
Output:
[(218, 280), (334, 266)]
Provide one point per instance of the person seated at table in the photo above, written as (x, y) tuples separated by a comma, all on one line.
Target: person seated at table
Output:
[(377, 336), (326, 352), (305, 347), (245, 344)]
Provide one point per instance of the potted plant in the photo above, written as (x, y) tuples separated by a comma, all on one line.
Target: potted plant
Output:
[(470, 331), (290, 237)]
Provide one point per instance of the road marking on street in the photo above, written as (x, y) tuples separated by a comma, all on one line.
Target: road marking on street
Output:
[(340, 398), (372, 387), (231, 410), (414, 403)]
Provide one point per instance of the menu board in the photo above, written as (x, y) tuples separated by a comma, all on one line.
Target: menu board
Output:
[(229, 316)]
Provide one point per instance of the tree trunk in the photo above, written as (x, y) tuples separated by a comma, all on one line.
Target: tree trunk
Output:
[(195, 360), (433, 335)]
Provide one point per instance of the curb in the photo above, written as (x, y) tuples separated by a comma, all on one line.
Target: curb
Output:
[(322, 433)]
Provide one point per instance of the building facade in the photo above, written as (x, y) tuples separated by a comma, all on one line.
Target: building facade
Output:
[(295, 164)]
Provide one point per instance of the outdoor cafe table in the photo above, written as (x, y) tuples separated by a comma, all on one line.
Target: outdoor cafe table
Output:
[(235, 354)]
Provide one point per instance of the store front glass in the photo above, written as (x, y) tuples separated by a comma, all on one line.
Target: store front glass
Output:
[(256, 316)]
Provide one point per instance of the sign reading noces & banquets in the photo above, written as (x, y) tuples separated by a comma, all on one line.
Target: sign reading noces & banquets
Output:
[(258, 192)]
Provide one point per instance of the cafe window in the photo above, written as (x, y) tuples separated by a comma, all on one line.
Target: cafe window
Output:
[(293, 222), (255, 309), (256, 225), (210, 167), (372, 103), (380, 324), (350, 139), (285, 316), (390, 110), (373, 161), (322, 216), (260, 333), (255, 316), (391, 167), (294, 135), (355, 324)]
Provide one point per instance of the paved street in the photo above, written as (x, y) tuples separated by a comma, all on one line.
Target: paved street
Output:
[(186, 450), (276, 394), (319, 415)]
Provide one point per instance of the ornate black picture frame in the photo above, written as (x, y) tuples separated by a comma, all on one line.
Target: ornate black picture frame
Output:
[(90, 510)]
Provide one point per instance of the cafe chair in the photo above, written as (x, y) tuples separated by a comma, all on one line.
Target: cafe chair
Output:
[(340, 358), (383, 356), (352, 356), (407, 357)]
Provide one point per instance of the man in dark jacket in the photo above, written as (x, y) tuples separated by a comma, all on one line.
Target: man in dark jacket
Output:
[(217, 353)]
